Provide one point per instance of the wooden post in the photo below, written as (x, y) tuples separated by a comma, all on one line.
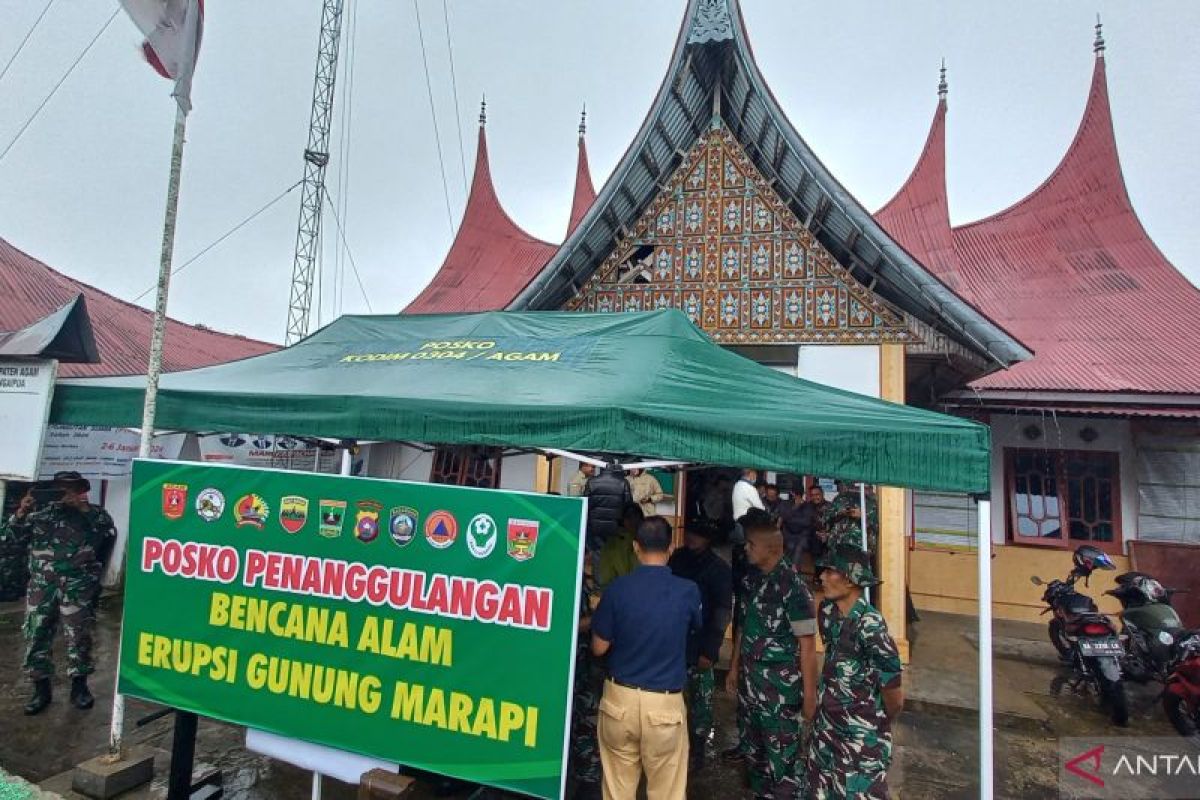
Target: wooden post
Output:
[(893, 541), (547, 474)]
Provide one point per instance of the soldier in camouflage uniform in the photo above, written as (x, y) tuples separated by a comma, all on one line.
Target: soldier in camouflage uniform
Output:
[(842, 519), (589, 683), (14, 552), (68, 541), (860, 692), (775, 654)]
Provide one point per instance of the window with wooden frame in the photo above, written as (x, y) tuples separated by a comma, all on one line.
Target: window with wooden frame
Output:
[(467, 466), (1064, 498)]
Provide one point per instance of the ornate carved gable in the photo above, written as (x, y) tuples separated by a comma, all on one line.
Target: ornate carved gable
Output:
[(719, 244)]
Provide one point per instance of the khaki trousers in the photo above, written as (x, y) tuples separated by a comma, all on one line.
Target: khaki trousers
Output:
[(643, 731)]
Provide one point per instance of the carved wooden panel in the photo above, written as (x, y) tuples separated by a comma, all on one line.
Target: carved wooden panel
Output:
[(720, 244)]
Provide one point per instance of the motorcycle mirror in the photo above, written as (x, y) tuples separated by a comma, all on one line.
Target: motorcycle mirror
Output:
[(1035, 580)]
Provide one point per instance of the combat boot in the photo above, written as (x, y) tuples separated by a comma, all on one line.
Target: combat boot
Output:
[(40, 699), (81, 697)]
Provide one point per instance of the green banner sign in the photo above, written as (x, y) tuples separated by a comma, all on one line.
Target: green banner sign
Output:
[(424, 624)]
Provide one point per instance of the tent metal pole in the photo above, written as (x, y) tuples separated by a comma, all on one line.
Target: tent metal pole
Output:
[(985, 650), (862, 525)]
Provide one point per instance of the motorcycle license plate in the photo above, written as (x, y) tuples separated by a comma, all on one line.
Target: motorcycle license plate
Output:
[(1101, 647)]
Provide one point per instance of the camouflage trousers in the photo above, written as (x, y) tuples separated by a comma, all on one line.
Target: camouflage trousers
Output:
[(52, 598), (773, 701), (585, 748), (848, 761), (699, 697)]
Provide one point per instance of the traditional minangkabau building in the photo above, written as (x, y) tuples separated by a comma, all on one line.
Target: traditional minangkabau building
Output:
[(1056, 321)]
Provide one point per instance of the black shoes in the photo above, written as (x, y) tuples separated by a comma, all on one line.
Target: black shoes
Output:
[(81, 698), (40, 699)]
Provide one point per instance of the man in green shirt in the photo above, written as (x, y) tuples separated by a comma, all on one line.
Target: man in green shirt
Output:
[(617, 556)]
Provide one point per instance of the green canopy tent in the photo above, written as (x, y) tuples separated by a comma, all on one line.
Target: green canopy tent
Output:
[(641, 383)]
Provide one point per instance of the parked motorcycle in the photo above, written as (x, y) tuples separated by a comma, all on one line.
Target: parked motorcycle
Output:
[(1150, 626), (1181, 694), (1085, 638)]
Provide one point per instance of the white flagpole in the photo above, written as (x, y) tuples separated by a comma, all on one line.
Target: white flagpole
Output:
[(154, 370)]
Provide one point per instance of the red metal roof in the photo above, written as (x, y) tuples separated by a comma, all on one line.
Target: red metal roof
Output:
[(29, 290), (1069, 269), (491, 258)]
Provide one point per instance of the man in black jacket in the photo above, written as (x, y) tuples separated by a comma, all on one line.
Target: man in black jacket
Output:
[(801, 526), (608, 494), (697, 562)]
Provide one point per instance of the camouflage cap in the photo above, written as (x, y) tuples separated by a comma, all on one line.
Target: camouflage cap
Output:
[(72, 480), (851, 561)]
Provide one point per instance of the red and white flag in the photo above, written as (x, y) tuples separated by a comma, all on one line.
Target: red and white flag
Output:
[(173, 29)]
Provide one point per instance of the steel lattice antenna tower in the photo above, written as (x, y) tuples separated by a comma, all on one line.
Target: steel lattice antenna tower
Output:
[(316, 157)]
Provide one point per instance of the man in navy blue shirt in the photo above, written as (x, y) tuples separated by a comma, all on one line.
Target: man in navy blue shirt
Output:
[(642, 624)]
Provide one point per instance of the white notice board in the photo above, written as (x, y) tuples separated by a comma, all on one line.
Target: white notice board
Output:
[(25, 389)]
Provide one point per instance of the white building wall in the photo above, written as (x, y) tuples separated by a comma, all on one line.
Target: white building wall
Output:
[(519, 472), (1062, 433), (399, 462), (853, 367)]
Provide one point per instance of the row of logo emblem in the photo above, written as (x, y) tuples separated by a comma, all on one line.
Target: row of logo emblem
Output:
[(441, 527)]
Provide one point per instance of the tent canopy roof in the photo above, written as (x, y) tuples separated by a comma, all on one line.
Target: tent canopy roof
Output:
[(644, 383)]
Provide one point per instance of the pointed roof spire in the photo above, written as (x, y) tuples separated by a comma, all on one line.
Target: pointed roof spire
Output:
[(918, 216), (943, 87), (491, 258), (585, 191), (1098, 45)]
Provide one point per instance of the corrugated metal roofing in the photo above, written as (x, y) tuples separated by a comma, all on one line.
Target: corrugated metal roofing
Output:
[(491, 258), (1069, 269), (29, 290)]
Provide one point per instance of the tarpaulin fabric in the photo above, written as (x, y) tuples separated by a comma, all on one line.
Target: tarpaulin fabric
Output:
[(647, 383)]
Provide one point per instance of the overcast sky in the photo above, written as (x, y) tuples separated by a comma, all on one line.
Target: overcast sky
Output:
[(83, 190)]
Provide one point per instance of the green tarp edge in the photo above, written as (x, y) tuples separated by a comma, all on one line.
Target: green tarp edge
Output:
[(645, 385)]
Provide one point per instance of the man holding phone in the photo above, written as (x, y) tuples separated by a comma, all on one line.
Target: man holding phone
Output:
[(69, 540)]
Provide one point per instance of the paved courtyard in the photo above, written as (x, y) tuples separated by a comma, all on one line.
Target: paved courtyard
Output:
[(936, 741)]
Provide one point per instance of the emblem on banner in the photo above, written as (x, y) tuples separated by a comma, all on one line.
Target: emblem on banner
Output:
[(522, 538), (333, 513), (293, 513), (174, 500), (252, 510), (481, 535), (366, 520), (402, 524), (210, 505), (441, 529)]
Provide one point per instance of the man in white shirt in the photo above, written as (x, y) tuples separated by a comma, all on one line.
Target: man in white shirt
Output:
[(745, 494)]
